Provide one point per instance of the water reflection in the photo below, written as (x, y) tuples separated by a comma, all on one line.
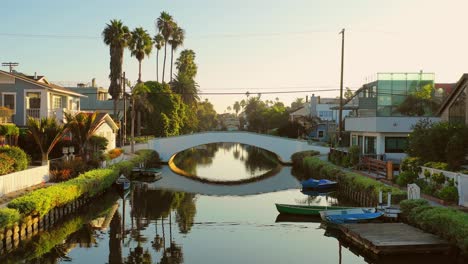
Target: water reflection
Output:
[(225, 162)]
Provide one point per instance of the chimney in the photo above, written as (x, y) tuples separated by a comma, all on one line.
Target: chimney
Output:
[(35, 75), (93, 82)]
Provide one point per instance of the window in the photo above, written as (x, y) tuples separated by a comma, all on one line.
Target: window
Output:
[(33, 100), (320, 134), (9, 101), (56, 102), (457, 111), (370, 145), (354, 140), (396, 144)]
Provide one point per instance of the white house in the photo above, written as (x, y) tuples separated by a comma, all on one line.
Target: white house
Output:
[(108, 129), (377, 126)]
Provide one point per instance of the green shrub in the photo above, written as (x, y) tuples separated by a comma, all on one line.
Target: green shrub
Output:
[(8, 217), (445, 222), (6, 164), (448, 194), (298, 157), (406, 177), (411, 164), (18, 155), (345, 161), (438, 178), (149, 157), (437, 165), (354, 153), (9, 130), (427, 174)]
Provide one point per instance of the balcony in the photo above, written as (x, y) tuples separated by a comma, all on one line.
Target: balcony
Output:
[(33, 112), (403, 124)]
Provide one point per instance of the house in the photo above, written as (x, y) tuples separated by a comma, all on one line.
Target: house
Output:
[(107, 129), (320, 116), (455, 106), (34, 96), (228, 122), (377, 124), (96, 98)]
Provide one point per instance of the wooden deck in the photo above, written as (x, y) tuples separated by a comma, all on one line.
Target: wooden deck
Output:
[(393, 238)]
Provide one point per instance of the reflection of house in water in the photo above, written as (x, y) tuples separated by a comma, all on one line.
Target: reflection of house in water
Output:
[(103, 222)]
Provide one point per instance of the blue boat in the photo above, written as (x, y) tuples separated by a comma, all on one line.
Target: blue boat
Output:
[(350, 215), (318, 184)]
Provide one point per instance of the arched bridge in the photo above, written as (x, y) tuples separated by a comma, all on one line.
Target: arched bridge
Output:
[(282, 147)]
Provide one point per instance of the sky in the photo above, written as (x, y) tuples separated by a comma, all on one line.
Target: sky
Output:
[(246, 45)]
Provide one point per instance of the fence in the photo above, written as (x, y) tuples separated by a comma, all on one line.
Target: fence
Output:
[(461, 181), (22, 179)]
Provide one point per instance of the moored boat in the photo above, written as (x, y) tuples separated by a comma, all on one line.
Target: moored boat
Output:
[(306, 209), (350, 215), (318, 184)]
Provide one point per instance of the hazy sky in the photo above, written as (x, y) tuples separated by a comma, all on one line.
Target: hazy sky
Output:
[(246, 45)]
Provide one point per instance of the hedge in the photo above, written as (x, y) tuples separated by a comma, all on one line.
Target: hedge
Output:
[(316, 168), (448, 223), (8, 217), (40, 202), (297, 158)]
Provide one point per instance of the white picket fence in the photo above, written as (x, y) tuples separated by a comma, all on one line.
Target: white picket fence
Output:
[(23, 179), (461, 181)]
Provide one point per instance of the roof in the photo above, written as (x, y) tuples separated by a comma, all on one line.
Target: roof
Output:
[(107, 119), (46, 85), (455, 91)]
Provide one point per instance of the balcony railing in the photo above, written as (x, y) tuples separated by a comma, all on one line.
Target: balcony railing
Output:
[(33, 112)]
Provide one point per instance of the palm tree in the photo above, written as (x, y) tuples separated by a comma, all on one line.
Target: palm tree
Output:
[(158, 43), (140, 45), (116, 36), (187, 88), (236, 107), (165, 25), (83, 126), (46, 132), (177, 40)]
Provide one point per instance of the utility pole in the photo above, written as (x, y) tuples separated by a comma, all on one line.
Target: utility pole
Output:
[(124, 131), (340, 123), (11, 65)]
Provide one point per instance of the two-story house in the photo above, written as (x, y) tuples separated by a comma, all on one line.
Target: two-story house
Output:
[(377, 124), (454, 108), (34, 96)]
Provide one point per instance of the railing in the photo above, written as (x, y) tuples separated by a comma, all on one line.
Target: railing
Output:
[(33, 112)]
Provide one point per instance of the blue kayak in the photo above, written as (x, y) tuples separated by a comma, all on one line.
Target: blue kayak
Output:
[(318, 184), (350, 215)]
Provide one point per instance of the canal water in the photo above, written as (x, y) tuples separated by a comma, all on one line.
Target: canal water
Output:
[(224, 215)]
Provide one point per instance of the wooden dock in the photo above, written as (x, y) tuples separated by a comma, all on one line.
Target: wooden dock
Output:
[(393, 238)]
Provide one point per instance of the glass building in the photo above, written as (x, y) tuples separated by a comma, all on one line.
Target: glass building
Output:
[(383, 97)]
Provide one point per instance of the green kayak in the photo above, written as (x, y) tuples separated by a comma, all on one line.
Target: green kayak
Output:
[(306, 209)]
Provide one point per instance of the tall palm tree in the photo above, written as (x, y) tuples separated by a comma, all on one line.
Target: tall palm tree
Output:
[(236, 107), (139, 100), (116, 35), (140, 45), (165, 25), (158, 43), (83, 126), (46, 132), (177, 39)]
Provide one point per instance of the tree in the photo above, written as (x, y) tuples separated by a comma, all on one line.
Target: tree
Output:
[(116, 35), (187, 88), (140, 45), (185, 64), (177, 40), (46, 132), (138, 100), (165, 24), (83, 126), (206, 116), (299, 102), (348, 93), (236, 107), (158, 44)]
